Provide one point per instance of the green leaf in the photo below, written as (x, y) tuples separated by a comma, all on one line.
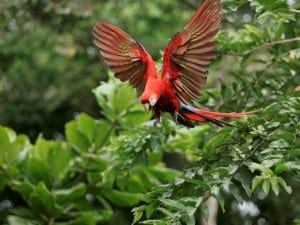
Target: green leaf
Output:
[(103, 130), (221, 201), (4, 144), (10, 134), (283, 184), (38, 170), (16, 220), (3, 182), (245, 179), (266, 186), (256, 181), (49, 160), (88, 218), (166, 212), (217, 140), (190, 220), (44, 201), (60, 158), (41, 149), (149, 211), (270, 12), (284, 135), (85, 132), (13, 147), (13, 151), (96, 162), (23, 212), (292, 166), (70, 194), (123, 97), (173, 204), (165, 174), (236, 193), (154, 222), (38, 197), (255, 166), (24, 188), (279, 144), (275, 185), (75, 137), (205, 211), (103, 95), (122, 198), (86, 125), (138, 213), (136, 115)]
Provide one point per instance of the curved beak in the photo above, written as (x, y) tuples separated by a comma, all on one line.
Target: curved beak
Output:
[(150, 103), (147, 107), (152, 100)]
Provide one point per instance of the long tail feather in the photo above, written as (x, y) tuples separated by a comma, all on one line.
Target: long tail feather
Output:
[(203, 115)]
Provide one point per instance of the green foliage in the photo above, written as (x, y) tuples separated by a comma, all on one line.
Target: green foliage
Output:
[(49, 63), (119, 104), (44, 50), (258, 146), (120, 170), (65, 180)]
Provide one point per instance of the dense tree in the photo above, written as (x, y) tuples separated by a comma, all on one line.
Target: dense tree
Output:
[(116, 168)]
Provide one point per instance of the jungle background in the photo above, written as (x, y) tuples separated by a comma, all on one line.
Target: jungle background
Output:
[(76, 147)]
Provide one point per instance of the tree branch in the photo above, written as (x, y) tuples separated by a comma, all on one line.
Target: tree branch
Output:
[(261, 73), (295, 10), (265, 45)]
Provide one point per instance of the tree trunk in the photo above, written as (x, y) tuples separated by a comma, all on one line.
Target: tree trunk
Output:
[(212, 205)]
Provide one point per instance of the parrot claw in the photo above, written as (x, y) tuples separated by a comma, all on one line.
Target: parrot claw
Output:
[(147, 107), (175, 117), (156, 123)]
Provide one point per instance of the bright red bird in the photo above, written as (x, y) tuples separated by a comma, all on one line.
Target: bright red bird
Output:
[(185, 66)]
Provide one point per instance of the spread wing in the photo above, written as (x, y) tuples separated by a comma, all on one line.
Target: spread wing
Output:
[(124, 56), (186, 58)]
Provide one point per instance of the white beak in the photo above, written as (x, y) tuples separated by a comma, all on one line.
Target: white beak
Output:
[(147, 107), (152, 100)]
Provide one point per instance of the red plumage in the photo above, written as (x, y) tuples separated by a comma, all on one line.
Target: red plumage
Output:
[(185, 65)]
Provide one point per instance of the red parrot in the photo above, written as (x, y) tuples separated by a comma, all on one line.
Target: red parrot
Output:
[(185, 66)]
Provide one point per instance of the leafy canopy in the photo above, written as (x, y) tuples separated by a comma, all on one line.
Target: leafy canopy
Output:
[(119, 163)]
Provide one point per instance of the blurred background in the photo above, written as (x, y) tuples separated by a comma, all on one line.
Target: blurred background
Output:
[(48, 64)]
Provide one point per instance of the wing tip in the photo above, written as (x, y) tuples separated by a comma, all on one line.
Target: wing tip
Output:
[(210, 7)]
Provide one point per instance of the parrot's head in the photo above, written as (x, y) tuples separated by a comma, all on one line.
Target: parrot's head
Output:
[(153, 90), (149, 101)]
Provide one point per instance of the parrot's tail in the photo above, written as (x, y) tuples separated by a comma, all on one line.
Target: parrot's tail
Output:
[(201, 115)]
